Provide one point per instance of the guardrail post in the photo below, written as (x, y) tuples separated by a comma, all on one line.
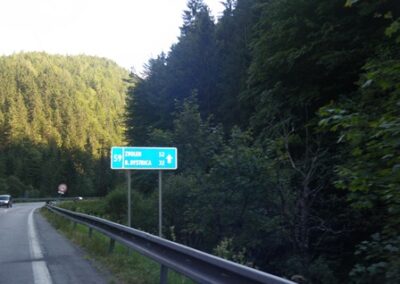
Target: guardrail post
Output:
[(163, 274), (111, 246), (90, 232)]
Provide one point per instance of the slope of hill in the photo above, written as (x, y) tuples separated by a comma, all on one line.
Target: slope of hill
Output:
[(58, 114), (76, 101)]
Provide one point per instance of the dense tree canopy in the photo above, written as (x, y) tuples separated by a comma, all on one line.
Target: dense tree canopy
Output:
[(286, 117), (76, 102), (59, 115)]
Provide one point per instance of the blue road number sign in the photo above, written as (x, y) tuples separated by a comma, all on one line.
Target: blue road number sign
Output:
[(144, 158)]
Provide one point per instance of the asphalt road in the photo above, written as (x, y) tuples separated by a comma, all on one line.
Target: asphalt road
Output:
[(31, 251)]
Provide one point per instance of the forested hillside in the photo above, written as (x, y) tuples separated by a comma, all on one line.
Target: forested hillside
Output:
[(286, 117), (59, 115)]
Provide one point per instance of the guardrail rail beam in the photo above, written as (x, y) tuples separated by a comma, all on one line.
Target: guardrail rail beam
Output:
[(197, 265)]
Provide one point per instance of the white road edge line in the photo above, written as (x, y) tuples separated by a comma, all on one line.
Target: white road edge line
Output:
[(41, 273)]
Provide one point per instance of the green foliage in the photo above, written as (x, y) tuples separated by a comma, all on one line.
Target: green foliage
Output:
[(323, 271), (59, 115), (3, 186), (116, 205), (369, 134), (225, 250), (234, 33), (367, 127), (314, 89), (61, 98), (297, 65), (91, 207), (269, 189), (196, 139), (15, 187), (189, 67), (380, 260), (179, 192), (222, 197)]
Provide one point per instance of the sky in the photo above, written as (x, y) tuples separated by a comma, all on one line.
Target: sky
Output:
[(129, 32)]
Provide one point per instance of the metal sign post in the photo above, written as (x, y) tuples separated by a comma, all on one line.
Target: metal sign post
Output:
[(129, 197), (160, 204)]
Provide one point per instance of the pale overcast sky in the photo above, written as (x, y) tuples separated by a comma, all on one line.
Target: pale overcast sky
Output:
[(126, 31)]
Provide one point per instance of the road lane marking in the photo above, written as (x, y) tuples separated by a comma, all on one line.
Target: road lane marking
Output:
[(41, 273)]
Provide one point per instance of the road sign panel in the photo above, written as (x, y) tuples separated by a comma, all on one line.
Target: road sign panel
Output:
[(62, 188), (144, 158)]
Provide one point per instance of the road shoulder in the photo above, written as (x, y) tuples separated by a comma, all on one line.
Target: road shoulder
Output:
[(67, 262)]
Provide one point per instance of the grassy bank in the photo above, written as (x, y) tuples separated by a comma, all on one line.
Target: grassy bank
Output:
[(126, 266)]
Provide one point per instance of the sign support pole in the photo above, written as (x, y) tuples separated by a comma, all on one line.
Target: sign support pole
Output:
[(160, 203), (129, 197)]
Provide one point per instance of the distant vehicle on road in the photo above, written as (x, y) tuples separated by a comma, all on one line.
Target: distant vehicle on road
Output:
[(6, 200)]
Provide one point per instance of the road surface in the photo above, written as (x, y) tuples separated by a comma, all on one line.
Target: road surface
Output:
[(31, 251)]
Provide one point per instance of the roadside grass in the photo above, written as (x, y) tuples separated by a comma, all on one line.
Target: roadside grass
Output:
[(125, 265)]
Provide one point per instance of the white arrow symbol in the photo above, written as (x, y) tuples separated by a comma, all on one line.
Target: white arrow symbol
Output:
[(169, 159)]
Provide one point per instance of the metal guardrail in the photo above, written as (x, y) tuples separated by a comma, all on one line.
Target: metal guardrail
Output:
[(45, 199), (199, 266)]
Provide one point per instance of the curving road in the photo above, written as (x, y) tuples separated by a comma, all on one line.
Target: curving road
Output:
[(31, 251)]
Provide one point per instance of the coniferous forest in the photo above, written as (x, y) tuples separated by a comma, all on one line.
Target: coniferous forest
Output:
[(286, 116), (59, 115)]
